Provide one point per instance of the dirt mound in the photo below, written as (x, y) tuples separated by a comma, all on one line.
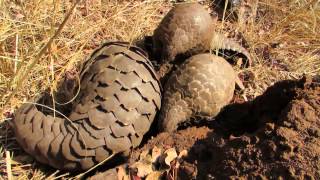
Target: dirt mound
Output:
[(276, 135)]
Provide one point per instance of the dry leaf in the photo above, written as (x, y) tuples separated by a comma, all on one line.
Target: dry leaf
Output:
[(239, 62), (143, 169), (183, 153), (156, 153), (122, 175), (145, 156), (171, 155), (154, 175)]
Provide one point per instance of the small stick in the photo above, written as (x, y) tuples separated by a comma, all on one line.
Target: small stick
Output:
[(17, 54), (94, 167), (8, 164)]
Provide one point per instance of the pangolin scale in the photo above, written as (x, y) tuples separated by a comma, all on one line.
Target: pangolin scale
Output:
[(189, 29), (199, 89), (119, 97)]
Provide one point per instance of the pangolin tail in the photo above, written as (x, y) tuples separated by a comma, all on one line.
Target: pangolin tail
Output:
[(219, 41)]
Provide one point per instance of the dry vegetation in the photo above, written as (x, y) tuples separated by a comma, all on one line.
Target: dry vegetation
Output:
[(283, 37)]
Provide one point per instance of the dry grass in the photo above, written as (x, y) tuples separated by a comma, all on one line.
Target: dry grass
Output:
[(284, 41)]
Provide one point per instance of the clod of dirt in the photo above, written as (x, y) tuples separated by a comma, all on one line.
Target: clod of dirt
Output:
[(118, 100), (275, 136), (189, 29), (203, 85)]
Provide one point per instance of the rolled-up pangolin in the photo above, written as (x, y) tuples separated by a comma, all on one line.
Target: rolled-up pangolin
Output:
[(203, 85), (189, 28), (119, 97)]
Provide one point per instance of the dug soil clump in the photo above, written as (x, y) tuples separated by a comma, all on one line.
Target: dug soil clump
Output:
[(277, 135)]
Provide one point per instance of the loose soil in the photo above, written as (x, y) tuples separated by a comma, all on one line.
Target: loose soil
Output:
[(277, 135)]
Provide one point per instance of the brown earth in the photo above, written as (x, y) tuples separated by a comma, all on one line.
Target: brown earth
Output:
[(275, 136)]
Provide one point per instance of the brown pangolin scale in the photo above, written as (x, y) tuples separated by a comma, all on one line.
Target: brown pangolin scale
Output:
[(119, 97), (189, 28), (198, 89)]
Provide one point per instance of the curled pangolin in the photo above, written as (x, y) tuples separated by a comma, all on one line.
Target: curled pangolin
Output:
[(119, 97), (203, 85), (189, 28)]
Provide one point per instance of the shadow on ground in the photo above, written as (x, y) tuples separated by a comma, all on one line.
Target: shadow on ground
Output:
[(276, 135)]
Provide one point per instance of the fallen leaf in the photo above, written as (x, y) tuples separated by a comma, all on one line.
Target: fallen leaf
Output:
[(156, 153), (183, 153), (171, 154), (145, 156), (122, 175), (239, 62), (143, 168), (154, 175)]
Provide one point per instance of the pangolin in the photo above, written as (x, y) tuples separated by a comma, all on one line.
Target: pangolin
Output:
[(200, 88), (118, 100), (189, 28)]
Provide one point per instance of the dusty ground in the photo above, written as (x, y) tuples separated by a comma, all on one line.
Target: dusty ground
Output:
[(275, 136), (282, 35)]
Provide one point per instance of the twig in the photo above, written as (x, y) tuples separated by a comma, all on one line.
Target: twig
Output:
[(8, 164), (58, 177), (17, 54), (82, 174)]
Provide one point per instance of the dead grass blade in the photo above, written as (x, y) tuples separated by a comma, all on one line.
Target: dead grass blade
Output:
[(40, 54), (8, 164)]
